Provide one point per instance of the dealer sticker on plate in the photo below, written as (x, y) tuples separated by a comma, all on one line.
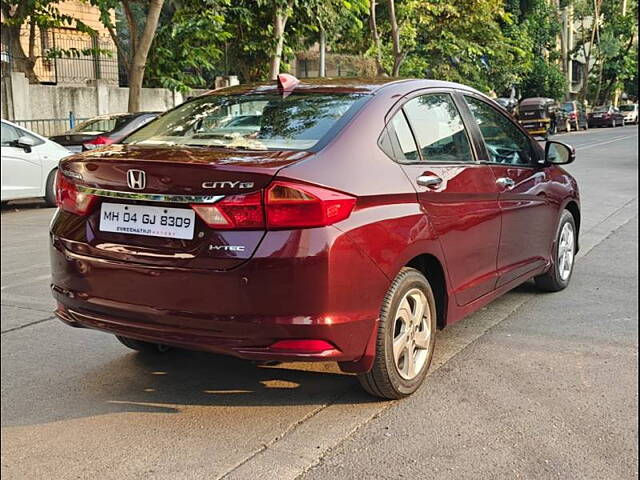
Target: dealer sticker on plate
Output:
[(146, 220)]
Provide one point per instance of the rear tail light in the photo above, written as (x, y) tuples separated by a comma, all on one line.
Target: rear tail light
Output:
[(284, 206), (68, 197), (572, 115), (242, 212), (99, 141), (295, 206)]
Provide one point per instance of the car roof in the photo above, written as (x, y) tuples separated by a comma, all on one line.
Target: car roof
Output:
[(365, 85)]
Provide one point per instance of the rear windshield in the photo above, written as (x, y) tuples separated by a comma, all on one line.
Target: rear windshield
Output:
[(627, 108), (567, 107), (103, 124), (254, 122), (601, 109)]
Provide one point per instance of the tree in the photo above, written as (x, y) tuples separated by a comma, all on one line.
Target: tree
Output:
[(398, 54), (188, 46), (38, 15), (328, 22), (544, 80), (140, 38)]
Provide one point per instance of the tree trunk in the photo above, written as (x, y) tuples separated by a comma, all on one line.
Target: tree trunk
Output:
[(323, 51), (375, 36), (279, 24), (398, 55), (139, 60), (21, 62)]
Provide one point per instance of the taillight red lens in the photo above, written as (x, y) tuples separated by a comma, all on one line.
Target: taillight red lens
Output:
[(286, 205), (99, 141), (235, 212), (294, 206), (68, 197)]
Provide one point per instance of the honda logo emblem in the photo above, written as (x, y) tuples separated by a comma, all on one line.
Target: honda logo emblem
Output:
[(136, 179)]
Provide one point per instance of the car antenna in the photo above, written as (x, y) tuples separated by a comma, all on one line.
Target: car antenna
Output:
[(286, 84)]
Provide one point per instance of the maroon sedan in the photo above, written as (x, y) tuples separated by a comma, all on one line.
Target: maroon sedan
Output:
[(346, 222)]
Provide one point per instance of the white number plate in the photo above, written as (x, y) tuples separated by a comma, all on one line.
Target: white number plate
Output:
[(145, 220)]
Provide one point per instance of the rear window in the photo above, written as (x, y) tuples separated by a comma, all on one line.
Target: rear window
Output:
[(103, 124), (567, 107), (254, 122), (601, 109)]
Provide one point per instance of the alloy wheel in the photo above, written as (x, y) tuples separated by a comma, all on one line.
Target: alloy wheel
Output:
[(566, 251), (412, 334)]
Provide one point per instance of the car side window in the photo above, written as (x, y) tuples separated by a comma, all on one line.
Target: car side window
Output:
[(504, 141), (439, 129), (397, 140), (8, 134)]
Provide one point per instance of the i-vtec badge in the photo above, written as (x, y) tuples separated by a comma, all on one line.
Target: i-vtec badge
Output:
[(227, 184), (227, 248)]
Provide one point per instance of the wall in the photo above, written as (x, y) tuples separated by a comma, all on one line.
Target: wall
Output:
[(48, 101), (24, 101)]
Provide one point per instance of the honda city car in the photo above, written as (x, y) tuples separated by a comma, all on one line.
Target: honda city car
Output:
[(355, 220)]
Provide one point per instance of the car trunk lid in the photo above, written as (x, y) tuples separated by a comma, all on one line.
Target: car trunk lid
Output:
[(175, 178)]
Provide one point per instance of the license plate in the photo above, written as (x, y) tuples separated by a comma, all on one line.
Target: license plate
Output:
[(146, 220), (74, 148), (597, 116)]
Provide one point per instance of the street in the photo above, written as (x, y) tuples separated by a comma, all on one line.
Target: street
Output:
[(532, 386)]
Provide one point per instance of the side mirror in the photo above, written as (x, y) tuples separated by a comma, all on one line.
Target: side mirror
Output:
[(25, 142), (558, 153)]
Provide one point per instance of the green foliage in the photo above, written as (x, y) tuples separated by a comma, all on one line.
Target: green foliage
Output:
[(461, 41), (188, 45), (544, 80)]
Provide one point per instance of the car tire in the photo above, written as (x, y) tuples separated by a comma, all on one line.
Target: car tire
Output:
[(586, 126), (144, 347), (562, 259), (405, 337), (50, 188)]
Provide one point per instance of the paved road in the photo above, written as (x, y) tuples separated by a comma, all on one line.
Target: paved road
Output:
[(532, 386)]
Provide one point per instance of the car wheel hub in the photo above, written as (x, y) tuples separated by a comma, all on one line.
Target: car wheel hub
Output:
[(412, 334), (566, 248)]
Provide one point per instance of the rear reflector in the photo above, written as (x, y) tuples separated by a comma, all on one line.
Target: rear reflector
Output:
[(68, 197), (303, 346)]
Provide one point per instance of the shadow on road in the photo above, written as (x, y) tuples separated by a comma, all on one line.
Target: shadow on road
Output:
[(179, 380)]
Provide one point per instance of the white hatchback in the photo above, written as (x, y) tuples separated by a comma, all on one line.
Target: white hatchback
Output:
[(29, 164)]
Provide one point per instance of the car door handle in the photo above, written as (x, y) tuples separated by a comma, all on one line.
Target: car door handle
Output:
[(505, 182), (429, 180)]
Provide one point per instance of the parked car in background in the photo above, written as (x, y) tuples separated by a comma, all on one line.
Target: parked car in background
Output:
[(360, 217), (29, 164), (577, 115), (542, 117), (103, 130), (606, 116), (630, 112)]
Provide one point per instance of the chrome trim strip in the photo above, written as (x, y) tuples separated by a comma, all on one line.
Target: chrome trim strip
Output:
[(150, 197)]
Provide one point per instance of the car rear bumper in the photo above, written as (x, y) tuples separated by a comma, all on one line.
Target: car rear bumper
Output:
[(598, 122), (326, 291)]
